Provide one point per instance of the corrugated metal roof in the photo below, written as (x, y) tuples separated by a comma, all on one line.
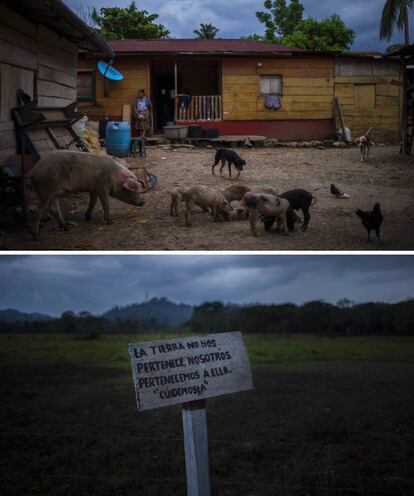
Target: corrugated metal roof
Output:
[(199, 46)]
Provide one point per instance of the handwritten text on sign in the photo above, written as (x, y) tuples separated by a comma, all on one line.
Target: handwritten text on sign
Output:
[(186, 369)]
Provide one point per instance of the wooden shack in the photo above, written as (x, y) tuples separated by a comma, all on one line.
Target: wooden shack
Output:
[(39, 43), (229, 82), (370, 90)]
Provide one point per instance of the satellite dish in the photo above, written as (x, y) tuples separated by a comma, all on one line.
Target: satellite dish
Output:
[(109, 72)]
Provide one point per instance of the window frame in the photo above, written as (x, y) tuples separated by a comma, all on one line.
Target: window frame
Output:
[(91, 98), (271, 76)]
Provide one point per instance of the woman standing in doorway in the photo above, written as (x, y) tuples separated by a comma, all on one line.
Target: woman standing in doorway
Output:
[(143, 109)]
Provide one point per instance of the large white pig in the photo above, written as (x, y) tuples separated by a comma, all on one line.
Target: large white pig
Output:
[(62, 172)]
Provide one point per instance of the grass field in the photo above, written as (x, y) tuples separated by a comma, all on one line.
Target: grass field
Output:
[(326, 417)]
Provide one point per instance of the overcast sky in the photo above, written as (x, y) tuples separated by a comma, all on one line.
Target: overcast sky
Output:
[(53, 284), (236, 18)]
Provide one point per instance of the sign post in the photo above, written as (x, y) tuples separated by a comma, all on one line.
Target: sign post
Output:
[(196, 448), (187, 371)]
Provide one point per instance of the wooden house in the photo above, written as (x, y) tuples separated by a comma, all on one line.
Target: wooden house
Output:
[(231, 83), (370, 89), (39, 44)]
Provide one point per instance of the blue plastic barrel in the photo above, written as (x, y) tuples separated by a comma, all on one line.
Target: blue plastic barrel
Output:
[(118, 138)]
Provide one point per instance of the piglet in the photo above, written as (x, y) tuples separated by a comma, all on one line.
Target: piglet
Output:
[(207, 199), (62, 172), (266, 205)]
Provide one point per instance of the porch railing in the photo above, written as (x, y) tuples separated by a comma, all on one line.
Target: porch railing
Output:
[(201, 108)]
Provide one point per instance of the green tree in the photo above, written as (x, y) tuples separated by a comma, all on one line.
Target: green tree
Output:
[(206, 31), (327, 34), (253, 37), (67, 323), (344, 303), (280, 19), (395, 14), (115, 23), (394, 47)]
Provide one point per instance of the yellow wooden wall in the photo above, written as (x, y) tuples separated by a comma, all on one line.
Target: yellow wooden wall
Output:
[(370, 94), (309, 85), (307, 88), (136, 76)]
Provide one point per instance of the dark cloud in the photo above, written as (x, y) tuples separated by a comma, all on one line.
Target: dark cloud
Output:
[(89, 282), (237, 18)]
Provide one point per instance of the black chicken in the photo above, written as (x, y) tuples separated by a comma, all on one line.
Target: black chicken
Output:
[(371, 220)]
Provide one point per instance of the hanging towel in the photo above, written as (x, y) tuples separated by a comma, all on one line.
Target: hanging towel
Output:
[(272, 102)]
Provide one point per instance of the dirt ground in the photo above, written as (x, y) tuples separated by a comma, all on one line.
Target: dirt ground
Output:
[(388, 178)]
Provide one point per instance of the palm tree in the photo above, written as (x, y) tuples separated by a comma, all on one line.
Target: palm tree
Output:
[(395, 14), (206, 31)]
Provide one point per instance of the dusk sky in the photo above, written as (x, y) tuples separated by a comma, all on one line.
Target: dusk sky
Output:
[(237, 18), (53, 284)]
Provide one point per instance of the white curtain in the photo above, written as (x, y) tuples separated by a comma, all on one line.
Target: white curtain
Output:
[(271, 85)]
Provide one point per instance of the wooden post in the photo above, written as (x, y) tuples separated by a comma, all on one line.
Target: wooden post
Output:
[(404, 116), (196, 448), (176, 78), (341, 118), (126, 113)]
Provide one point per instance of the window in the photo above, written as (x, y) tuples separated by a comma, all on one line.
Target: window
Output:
[(85, 86), (271, 85), (365, 95)]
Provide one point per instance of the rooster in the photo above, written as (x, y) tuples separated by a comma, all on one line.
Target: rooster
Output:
[(371, 220)]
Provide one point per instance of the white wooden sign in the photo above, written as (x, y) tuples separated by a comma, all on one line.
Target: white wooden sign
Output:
[(182, 370)]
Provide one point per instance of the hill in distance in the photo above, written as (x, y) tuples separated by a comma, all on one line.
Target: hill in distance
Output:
[(10, 316), (160, 309)]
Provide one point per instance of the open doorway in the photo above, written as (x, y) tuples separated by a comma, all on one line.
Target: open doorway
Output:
[(196, 76), (162, 92), (163, 100)]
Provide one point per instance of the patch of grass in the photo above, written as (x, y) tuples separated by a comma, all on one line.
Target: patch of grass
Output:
[(111, 350), (106, 351), (282, 350)]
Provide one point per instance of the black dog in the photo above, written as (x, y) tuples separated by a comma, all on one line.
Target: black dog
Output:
[(299, 199), (231, 158)]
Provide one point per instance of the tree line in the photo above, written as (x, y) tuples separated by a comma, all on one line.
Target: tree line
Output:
[(315, 318), (84, 325), (284, 23)]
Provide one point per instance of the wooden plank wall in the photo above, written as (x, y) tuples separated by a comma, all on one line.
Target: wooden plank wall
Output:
[(36, 60), (307, 88), (120, 93), (381, 82), (57, 67)]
